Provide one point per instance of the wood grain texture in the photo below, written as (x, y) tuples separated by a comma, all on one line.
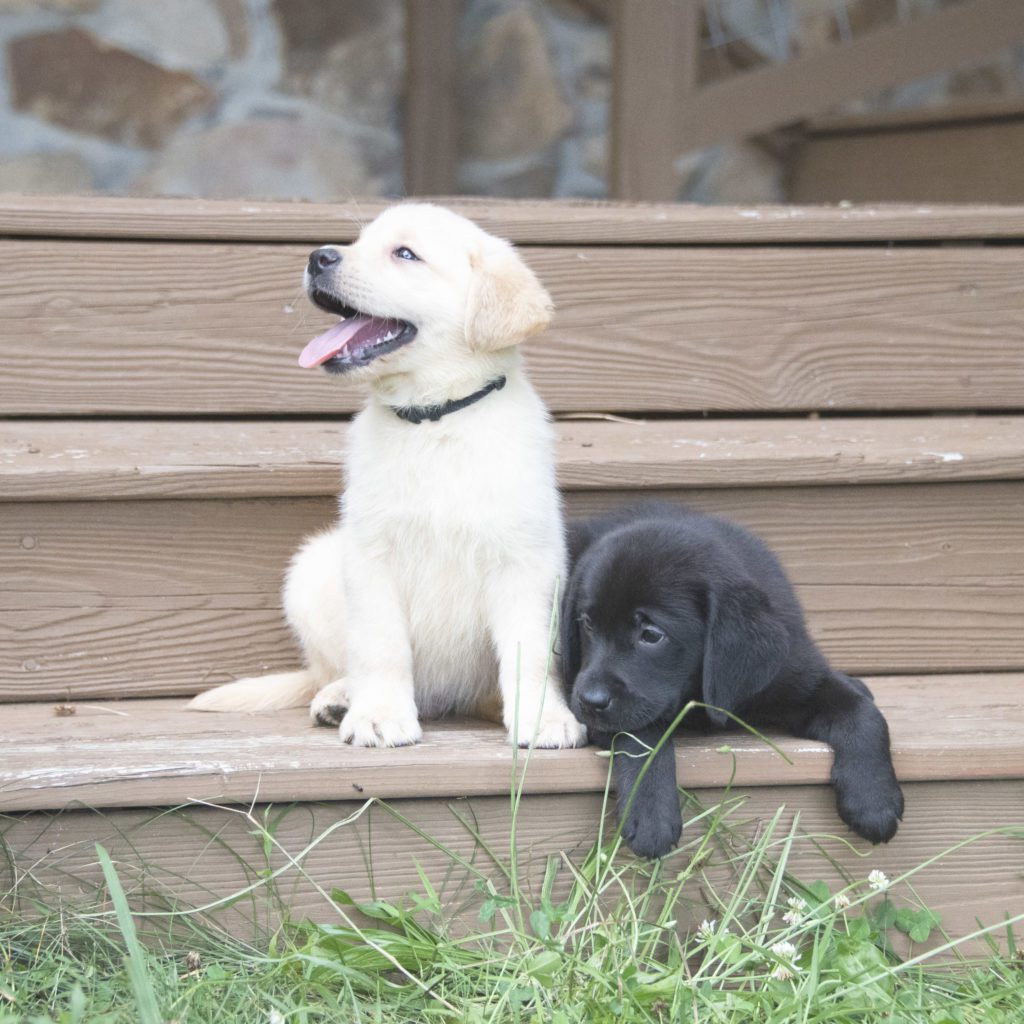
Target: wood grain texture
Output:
[(141, 753), (533, 221), (131, 598), (103, 459), (199, 854), (136, 329)]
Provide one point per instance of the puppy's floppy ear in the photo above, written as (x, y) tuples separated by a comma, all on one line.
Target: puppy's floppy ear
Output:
[(745, 647), (579, 535), (506, 303), (569, 630)]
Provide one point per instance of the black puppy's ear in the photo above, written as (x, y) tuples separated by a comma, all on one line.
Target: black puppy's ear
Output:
[(745, 647), (569, 631), (580, 534)]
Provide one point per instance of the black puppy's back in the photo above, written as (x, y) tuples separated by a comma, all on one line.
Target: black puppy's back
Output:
[(691, 528)]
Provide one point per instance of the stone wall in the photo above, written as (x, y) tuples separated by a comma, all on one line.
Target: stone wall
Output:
[(303, 98), (253, 98)]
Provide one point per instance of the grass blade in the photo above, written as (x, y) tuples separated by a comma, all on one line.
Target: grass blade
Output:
[(136, 960)]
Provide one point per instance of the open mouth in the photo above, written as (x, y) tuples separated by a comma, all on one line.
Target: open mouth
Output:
[(356, 340)]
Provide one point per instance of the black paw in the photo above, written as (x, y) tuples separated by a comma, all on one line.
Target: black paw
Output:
[(873, 812), (652, 833), (329, 714)]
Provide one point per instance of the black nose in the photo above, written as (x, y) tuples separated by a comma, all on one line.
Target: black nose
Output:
[(595, 697), (322, 259)]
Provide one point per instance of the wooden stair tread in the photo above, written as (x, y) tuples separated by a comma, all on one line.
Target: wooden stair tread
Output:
[(534, 221), (153, 752), (103, 459)]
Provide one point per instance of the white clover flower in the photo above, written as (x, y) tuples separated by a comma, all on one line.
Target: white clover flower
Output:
[(841, 901), (878, 881), (706, 929), (784, 950), (796, 908), (274, 1017)]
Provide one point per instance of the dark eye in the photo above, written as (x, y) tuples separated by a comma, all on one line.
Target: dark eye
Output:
[(650, 635), (586, 624), (405, 253)]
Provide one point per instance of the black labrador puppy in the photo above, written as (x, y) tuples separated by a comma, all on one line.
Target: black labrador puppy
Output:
[(665, 605)]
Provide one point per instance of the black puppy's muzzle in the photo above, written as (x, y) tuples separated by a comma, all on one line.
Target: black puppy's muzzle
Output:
[(594, 697)]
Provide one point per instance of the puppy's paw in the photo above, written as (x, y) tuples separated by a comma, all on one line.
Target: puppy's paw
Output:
[(330, 704), (557, 728), (872, 811), (652, 833), (369, 723)]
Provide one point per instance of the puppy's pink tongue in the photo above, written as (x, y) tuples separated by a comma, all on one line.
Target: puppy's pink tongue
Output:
[(331, 342)]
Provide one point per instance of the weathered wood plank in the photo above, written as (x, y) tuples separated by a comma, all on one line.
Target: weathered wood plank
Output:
[(936, 162), (130, 598), (430, 126), (142, 753), (655, 55), (199, 854), (534, 221), (103, 459), (98, 328)]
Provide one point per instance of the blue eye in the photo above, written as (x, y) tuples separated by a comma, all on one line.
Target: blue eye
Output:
[(405, 253)]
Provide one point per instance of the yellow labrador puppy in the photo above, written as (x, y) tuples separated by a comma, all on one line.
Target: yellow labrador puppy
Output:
[(434, 593)]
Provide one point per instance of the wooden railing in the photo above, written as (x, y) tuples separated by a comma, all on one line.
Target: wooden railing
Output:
[(659, 108)]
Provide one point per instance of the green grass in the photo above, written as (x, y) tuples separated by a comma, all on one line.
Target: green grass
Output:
[(719, 933)]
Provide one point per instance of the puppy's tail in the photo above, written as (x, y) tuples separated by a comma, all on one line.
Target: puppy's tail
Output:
[(260, 693)]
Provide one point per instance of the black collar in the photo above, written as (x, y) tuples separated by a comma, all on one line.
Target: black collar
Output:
[(419, 413)]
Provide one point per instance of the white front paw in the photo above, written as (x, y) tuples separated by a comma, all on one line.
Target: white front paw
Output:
[(557, 727), (330, 704), (380, 724)]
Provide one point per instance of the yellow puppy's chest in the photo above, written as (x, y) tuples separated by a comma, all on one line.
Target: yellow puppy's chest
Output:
[(447, 508)]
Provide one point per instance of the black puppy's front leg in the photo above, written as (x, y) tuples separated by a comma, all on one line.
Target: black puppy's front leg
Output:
[(868, 797), (648, 806)]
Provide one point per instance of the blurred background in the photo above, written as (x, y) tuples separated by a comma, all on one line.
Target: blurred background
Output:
[(724, 101)]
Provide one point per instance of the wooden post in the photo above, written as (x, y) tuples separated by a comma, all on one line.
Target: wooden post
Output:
[(655, 51), (431, 123)]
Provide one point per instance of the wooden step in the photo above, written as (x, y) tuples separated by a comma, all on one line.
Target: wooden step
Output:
[(215, 327), (112, 773), (142, 753), (146, 558), (526, 222), (101, 460)]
